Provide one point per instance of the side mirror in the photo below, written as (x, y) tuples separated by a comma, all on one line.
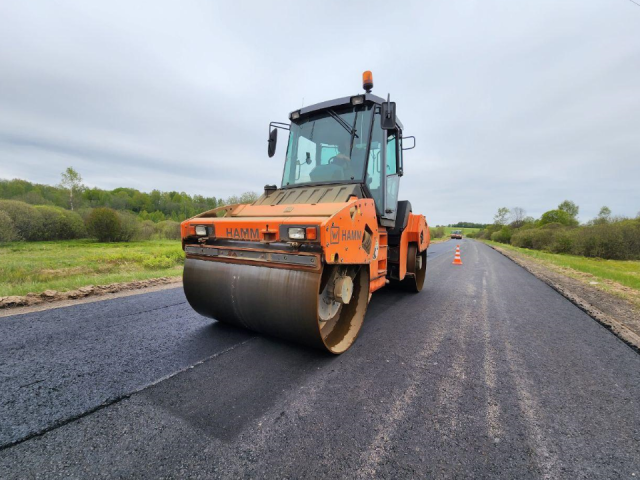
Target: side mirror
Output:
[(273, 140), (388, 115)]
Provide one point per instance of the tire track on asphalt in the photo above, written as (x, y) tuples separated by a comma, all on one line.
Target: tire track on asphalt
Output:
[(544, 454), (451, 383), (257, 442), (494, 427), (378, 449)]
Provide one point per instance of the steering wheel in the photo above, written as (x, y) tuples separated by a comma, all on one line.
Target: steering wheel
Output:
[(338, 161)]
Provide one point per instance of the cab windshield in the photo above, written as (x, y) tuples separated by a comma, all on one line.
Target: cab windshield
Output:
[(328, 147)]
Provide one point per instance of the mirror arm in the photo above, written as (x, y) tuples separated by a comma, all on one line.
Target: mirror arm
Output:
[(414, 143), (273, 136), (281, 125), (388, 105)]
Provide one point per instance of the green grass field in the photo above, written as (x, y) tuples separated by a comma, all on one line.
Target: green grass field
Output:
[(625, 272), (38, 266)]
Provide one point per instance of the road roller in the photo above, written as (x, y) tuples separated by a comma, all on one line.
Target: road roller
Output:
[(303, 261)]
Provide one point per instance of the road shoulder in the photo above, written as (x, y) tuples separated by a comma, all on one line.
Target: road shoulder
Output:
[(17, 305), (616, 314)]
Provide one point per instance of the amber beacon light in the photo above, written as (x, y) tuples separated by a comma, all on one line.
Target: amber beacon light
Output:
[(367, 81)]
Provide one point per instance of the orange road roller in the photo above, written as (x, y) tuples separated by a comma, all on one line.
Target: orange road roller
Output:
[(303, 260)]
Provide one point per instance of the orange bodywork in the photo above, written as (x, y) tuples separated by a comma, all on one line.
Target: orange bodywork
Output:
[(347, 233)]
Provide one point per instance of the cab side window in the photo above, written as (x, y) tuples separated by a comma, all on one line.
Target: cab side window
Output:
[(375, 169), (392, 148)]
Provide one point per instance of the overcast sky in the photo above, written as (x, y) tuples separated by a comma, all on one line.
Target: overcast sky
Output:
[(512, 103)]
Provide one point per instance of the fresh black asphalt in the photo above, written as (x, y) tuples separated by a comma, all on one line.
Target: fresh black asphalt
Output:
[(486, 373)]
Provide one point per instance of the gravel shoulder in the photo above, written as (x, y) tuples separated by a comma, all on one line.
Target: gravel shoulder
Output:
[(618, 315)]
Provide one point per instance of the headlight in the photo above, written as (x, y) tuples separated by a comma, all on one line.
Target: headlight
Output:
[(201, 230), (296, 233)]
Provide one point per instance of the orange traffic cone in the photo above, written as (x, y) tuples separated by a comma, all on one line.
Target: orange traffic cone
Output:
[(456, 259)]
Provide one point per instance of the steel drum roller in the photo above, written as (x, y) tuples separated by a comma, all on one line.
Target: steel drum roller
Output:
[(276, 301)]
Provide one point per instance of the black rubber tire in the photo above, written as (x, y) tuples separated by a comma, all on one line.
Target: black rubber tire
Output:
[(414, 279)]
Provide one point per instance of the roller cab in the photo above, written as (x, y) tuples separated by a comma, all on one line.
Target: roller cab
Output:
[(303, 260)]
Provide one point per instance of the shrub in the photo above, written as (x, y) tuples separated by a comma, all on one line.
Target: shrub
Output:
[(72, 226), (563, 242), (7, 229), (542, 239), (146, 231), (523, 238), (502, 236), (482, 234), (51, 220), (552, 226), (616, 241), (169, 229), (487, 232), (84, 213), (129, 227), (537, 239), (27, 220), (104, 224), (631, 233)]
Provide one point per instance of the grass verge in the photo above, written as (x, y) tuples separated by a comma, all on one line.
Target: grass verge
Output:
[(67, 265), (439, 240)]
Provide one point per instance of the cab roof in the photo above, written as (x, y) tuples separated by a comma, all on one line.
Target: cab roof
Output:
[(368, 97)]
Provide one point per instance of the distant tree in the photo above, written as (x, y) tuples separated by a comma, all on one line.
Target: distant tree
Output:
[(605, 212), (501, 217), (604, 216), (557, 216), (159, 206), (246, 197), (570, 207), (517, 217), (71, 181)]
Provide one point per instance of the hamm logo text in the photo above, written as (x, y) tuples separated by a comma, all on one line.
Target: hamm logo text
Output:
[(243, 233)]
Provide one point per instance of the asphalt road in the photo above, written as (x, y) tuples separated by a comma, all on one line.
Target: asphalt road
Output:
[(486, 373)]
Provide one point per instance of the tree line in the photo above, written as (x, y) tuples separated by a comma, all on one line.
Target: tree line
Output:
[(559, 231), (468, 225), (156, 206), (71, 210)]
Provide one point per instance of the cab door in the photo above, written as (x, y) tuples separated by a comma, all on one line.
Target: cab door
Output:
[(392, 175)]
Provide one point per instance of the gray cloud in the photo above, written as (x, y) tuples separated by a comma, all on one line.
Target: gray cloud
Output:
[(512, 104)]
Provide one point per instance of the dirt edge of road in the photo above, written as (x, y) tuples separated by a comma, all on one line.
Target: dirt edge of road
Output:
[(33, 302), (612, 312)]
